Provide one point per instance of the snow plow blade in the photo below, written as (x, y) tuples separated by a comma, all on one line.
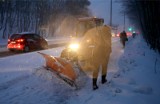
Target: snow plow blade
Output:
[(61, 67)]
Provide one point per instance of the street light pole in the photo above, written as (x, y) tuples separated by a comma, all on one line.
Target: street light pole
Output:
[(111, 14), (124, 22)]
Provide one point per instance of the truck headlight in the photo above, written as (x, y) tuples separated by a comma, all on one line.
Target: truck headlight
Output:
[(74, 46)]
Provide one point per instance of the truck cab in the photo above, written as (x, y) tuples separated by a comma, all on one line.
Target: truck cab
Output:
[(82, 26)]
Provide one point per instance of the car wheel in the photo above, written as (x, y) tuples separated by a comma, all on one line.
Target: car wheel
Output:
[(11, 50), (26, 49)]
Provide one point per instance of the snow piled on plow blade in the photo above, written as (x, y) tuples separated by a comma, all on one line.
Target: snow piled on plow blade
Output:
[(59, 65)]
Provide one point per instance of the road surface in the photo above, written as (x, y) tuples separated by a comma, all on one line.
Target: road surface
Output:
[(5, 52), (9, 53), (18, 86)]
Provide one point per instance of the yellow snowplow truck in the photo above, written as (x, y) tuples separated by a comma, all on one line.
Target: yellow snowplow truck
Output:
[(62, 67), (83, 25)]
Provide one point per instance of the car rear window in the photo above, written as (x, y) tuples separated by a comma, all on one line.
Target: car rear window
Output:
[(15, 36)]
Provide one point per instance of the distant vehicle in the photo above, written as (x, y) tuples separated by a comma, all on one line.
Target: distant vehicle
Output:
[(113, 34), (26, 42), (117, 35)]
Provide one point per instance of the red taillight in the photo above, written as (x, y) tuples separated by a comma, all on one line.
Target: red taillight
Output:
[(20, 40), (18, 46)]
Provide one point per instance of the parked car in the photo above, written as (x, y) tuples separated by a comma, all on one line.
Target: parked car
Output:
[(26, 42)]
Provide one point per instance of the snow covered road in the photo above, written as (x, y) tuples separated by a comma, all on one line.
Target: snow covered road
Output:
[(23, 82), (52, 42)]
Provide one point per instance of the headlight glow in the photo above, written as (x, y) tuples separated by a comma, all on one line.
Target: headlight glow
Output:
[(74, 46)]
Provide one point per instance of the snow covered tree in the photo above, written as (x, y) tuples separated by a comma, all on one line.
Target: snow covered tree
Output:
[(32, 15)]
